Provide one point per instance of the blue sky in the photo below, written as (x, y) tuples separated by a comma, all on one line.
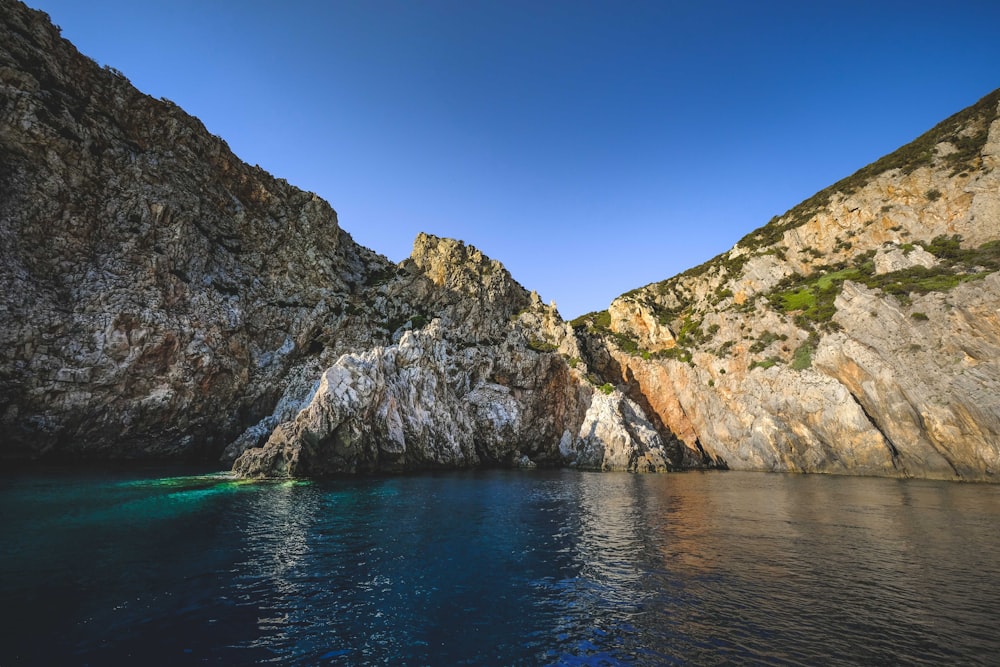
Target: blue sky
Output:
[(592, 146)]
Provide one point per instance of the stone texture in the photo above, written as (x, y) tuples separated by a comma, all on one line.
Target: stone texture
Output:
[(156, 290), (900, 382), (163, 299), (486, 382), (631, 319), (891, 257), (160, 298)]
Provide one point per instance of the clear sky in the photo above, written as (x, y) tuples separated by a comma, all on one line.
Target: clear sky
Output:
[(592, 146)]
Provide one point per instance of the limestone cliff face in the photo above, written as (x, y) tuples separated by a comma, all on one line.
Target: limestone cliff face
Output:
[(480, 376), (160, 298), (855, 334)]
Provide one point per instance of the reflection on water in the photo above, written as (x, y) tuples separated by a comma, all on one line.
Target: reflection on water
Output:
[(497, 568)]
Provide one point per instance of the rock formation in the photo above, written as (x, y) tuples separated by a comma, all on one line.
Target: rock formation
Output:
[(858, 333), (156, 289), (478, 373), (163, 299), (160, 298)]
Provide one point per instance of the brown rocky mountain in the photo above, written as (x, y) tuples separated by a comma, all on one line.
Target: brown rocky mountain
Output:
[(160, 298)]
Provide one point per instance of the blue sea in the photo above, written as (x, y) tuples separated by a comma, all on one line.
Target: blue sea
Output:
[(169, 566)]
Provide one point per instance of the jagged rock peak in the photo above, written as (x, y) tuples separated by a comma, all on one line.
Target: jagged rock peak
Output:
[(462, 268), (464, 282), (439, 257)]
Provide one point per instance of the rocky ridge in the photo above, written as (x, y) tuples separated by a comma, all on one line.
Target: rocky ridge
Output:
[(484, 379), (163, 299), (858, 333)]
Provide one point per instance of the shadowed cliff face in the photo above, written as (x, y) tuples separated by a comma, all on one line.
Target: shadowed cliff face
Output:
[(163, 299), (156, 288), (856, 334)]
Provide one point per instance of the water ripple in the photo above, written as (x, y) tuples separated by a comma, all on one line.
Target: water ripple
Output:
[(500, 568)]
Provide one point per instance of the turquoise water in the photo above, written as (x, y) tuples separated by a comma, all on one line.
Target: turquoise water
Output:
[(164, 567)]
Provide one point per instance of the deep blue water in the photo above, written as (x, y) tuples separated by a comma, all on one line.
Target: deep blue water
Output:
[(157, 567)]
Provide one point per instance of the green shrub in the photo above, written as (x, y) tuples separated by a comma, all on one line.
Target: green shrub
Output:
[(541, 345), (920, 280), (627, 344), (416, 321), (380, 276), (690, 332), (725, 349), (722, 293), (762, 342), (594, 322), (802, 359), (945, 247), (843, 245), (920, 316), (675, 353), (766, 363), (607, 388), (812, 296)]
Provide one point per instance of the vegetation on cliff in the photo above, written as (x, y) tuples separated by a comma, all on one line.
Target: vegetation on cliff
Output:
[(854, 333)]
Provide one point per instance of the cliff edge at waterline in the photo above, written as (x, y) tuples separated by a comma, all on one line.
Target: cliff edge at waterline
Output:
[(162, 299)]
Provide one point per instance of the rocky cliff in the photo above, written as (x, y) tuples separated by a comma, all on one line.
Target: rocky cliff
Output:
[(857, 333), (478, 372), (160, 298), (156, 289)]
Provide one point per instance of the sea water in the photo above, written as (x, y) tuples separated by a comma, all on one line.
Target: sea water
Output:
[(541, 567)]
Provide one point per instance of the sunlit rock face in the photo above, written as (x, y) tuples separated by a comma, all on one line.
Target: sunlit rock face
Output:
[(489, 376), (160, 298), (856, 334)]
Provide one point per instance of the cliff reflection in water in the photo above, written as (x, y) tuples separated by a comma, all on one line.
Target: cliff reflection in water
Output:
[(798, 568), (499, 568)]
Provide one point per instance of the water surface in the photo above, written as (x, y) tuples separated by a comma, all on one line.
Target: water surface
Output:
[(496, 568)]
